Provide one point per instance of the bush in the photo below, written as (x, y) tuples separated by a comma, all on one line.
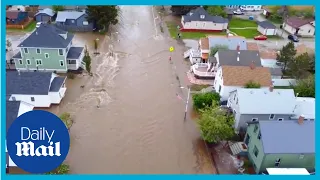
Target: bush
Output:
[(203, 100), (252, 84), (66, 119), (71, 76), (62, 169)]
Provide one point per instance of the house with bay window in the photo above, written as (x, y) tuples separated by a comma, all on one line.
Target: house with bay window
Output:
[(49, 48)]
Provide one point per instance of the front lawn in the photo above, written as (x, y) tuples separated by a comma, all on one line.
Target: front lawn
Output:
[(247, 33), (173, 30), (242, 23)]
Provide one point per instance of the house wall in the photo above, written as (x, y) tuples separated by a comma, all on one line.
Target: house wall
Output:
[(39, 100), (76, 24), (288, 28), (56, 97), (267, 32), (307, 30), (251, 7), (24, 107), (51, 64), (200, 25), (283, 82)]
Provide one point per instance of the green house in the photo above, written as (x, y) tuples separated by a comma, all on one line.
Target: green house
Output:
[(281, 144), (49, 48)]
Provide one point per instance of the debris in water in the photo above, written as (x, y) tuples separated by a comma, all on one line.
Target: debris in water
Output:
[(82, 86)]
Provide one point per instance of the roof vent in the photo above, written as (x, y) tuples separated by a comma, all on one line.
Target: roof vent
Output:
[(251, 92)]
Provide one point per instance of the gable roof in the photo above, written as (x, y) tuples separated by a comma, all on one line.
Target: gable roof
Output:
[(47, 36), (194, 15), (263, 101), (30, 83), (297, 22), (232, 42), (46, 11), (62, 16), (267, 25), (56, 84), (241, 75), (287, 137), (238, 58), (204, 43), (306, 107)]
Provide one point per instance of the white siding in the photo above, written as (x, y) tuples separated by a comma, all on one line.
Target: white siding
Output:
[(267, 32), (200, 25), (39, 100), (305, 30), (24, 107), (56, 97), (251, 7), (288, 28)]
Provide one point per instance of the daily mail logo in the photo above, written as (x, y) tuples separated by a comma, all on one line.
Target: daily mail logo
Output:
[(38, 142)]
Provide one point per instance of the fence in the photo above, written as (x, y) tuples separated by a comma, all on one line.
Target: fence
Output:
[(19, 26), (284, 82), (74, 28)]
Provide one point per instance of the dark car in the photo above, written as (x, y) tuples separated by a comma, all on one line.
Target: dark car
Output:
[(293, 38)]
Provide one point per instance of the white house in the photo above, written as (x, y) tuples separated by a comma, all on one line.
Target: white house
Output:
[(230, 78), (199, 20), (299, 26), (267, 28), (306, 107), (14, 109), (251, 7), (40, 89)]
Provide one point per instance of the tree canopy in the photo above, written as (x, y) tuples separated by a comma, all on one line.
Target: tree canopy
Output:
[(102, 16), (215, 124), (182, 10), (216, 48), (299, 67), (203, 100), (216, 11), (287, 54), (57, 8), (306, 87)]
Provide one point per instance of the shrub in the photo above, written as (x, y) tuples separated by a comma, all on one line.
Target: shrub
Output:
[(62, 169), (252, 84), (66, 119), (203, 100)]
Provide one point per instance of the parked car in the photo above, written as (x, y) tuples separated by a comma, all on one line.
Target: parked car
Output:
[(38, 24), (260, 37), (238, 12), (293, 38)]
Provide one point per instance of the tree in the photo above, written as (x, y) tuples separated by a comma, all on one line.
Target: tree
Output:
[(252, 84), (287, 54), (312, 64), (203, 100), (102, 16), (62, 169), (87, 60), (217, 11), (56, 8), (215, 124), (216, 48), (305, 87), (298, 68), (182, 10)]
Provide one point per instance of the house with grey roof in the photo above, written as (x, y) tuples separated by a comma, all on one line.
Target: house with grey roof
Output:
[(300, 26), (232, 42), (14, 109), (199, 20), (281, 144), (40, 89), (49, 48), (267, 28), (45, 15), (250, 105), (66, 8), (73, 21)]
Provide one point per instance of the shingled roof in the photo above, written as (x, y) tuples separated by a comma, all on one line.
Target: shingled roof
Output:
[(297, 22), (195, 15)]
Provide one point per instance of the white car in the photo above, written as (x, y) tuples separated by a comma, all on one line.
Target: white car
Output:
[(38, 24), (238, 12)]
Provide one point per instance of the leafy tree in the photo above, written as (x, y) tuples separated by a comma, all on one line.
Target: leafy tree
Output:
[(203, 100), (87, 60), (305, 87), (102, 16), (215, 124), (298, 68), (216, 11), (62, 169), (56, 8), (312, 64), (252, 84), (182, 10), (216, 48), (287, 54)]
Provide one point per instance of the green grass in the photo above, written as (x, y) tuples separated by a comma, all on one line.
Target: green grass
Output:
[(241, 23), (172, 27), (283, 87), (196, 87), (29, 28), (274, 37), (247, 33)]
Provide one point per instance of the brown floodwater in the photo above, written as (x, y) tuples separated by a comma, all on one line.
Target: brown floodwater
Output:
[(128, 119)]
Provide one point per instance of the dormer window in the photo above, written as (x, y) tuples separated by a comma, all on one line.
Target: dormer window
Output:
[(202, 16)]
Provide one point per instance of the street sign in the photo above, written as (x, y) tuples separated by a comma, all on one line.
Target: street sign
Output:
[(171, 49)]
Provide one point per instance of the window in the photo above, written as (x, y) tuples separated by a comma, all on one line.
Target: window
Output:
[(301, 156), (202, 16), (277, 163), (259, 135), (255, 151), (196, 24), (38, 62), (280, 119), (61, 63), (309, 31), (28, 62), (46, 55), (32, 99), (72, 62), (38, 51), (271, 116), (255, 128), (26, 51), (204, 25), (220, 88), (20, 61), (61, 52), (13, 98), (254, 119)]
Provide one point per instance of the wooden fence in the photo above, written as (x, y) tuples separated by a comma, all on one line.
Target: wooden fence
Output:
[(19, 26)]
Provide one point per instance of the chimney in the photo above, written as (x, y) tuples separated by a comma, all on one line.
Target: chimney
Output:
[(271, 88), (252, 65), (301, 119)]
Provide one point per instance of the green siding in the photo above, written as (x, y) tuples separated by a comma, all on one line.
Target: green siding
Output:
[(255, 142), (53, 62)]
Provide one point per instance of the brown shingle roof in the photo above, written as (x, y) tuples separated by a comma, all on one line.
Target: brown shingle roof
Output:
[(304, 49), (12, 14), (204, 43), (241, 75), (252, 46), (268, 54), (297, 22)]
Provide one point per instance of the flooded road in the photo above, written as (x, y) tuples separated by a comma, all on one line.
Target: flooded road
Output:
[(128, 119)]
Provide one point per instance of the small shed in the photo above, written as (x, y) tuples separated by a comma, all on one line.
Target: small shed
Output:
[(267, 28), (44, 15)]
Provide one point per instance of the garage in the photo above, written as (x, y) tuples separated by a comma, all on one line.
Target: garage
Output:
[(267, 28), (44, 15)]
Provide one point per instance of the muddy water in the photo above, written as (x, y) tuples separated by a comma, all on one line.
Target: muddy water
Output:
[(127, 116)]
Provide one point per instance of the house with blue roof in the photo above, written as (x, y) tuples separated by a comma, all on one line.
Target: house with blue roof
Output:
[(281, 144), (49, 48), (73, 21), (40, 89), (45, 15)]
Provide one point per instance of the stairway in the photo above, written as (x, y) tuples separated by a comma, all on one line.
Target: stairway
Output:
[(237, 148), (187, 53)]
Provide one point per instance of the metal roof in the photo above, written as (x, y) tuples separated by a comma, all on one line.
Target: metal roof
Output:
[(46, 11), (62, 16), (306, 107), (231, 42)]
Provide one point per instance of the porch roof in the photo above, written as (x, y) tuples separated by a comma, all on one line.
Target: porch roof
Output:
[(75, 52), (17, 56), (56, 84)]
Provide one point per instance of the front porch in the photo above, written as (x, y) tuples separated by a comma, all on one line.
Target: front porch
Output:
[(75, 58), (203, 71)]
